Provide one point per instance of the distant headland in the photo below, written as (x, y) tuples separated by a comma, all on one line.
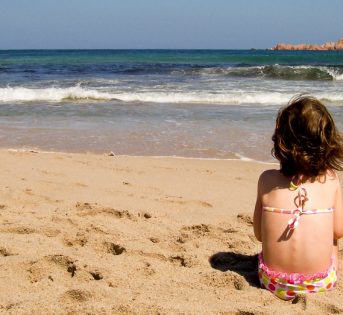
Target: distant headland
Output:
[(327, 46)]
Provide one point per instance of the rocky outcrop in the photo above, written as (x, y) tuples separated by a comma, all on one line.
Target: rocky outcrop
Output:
[(327, 46)]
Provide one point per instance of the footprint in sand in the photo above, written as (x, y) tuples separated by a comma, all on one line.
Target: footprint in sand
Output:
[(51, 266), (193, 233), (85, 209), (227, 280), (182, 261)]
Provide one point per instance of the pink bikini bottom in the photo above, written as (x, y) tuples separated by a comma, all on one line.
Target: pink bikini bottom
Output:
[(287, 285)]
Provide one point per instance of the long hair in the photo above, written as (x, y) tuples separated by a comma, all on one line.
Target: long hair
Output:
[(306, 140)]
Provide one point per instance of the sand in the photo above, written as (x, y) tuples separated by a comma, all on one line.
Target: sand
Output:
[(96, 234)]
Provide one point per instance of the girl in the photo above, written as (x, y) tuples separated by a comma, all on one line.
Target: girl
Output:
[(299, 211)]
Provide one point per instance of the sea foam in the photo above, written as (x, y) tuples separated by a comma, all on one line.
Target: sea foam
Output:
[(79, 94), (52, 94)]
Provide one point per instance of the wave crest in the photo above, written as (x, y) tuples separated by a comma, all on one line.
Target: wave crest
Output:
[(78, 93), (305, 73), (53, 94)]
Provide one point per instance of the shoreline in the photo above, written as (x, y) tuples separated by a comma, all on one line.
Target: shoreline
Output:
[(239, 157)]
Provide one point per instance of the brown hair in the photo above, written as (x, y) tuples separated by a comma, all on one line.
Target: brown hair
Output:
[(306, 141)]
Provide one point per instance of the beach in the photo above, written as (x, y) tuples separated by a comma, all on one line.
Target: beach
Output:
[(128, 177), (116, 234)]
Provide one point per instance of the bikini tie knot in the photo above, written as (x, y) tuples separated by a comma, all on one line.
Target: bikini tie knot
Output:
[(301, 199)]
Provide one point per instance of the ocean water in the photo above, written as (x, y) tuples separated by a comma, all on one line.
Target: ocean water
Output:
[(193, 103)]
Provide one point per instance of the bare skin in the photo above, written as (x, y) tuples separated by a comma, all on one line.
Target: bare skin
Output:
[(310, 247)]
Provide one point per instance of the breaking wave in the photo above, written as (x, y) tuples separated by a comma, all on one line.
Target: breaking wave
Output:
[(306, 73), (78, 93), (273, 71), (53, 94)]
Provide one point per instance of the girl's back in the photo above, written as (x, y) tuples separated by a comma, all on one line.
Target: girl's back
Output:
[(299, 213), (309, 247)]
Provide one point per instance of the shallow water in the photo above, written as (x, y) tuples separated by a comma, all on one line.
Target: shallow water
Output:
[(213, 104)]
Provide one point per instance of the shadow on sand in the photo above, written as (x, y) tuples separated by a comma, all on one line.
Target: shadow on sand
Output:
[(245, 265)]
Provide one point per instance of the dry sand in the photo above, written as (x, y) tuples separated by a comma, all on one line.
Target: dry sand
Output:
[(90, 234)]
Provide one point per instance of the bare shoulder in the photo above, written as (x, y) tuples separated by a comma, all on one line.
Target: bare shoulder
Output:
[(270, 179), (269, 174), (332, 178)]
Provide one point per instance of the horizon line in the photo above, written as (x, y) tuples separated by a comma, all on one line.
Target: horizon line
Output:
[(2, 49)]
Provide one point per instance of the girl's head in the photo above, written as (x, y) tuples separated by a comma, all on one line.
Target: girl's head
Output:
[(306, 141)]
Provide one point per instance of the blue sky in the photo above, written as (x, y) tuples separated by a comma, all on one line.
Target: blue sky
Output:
[(167, 23)]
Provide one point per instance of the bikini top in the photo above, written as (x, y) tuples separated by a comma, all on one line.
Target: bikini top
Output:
[(300, 202)]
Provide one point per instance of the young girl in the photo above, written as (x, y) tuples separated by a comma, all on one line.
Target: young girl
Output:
[(299, 211)]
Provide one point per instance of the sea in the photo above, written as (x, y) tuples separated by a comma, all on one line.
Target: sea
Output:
[(218, 104)]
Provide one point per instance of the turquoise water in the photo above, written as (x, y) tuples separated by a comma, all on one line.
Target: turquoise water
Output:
[(201, 103), (232, 57)]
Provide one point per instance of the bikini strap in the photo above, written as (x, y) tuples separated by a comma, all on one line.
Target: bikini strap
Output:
[(301, 199)]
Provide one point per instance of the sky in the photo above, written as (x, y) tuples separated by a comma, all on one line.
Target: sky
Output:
[(167, 24)]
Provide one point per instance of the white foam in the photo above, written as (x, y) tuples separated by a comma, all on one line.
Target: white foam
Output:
[(334, 73), (54, 94), (22, 94), (205, 97)]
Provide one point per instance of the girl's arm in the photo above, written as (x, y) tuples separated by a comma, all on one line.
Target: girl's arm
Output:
[(258, 213), (338, 213)]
